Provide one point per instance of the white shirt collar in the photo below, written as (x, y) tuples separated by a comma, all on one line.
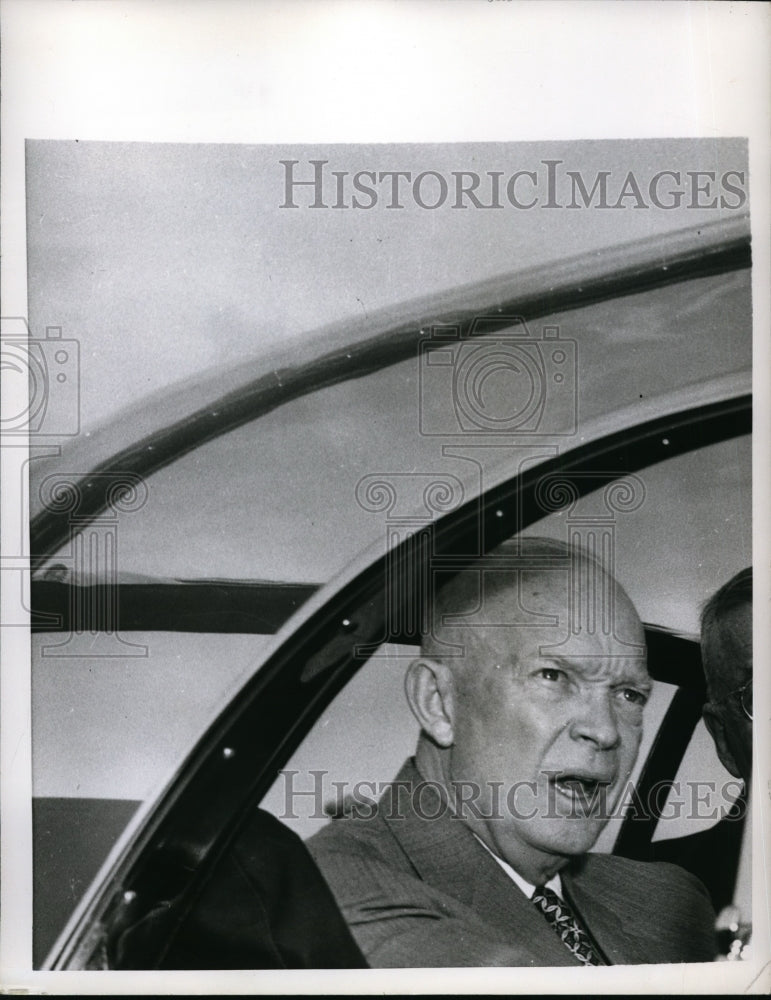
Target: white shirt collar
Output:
[(554, 883)]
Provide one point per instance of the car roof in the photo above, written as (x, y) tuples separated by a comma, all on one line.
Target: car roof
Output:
[(642, 319)]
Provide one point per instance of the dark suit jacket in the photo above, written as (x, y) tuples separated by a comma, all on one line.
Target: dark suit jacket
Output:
[(712, 855), (427, 893)]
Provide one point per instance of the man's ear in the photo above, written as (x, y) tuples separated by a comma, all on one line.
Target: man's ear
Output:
[(716, 727), (430, 690)]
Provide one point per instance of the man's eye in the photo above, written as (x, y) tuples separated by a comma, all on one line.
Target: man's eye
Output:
[(634, 697), (551, 674)]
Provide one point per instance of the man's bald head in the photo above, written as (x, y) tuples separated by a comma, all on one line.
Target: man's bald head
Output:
[(526, 585)]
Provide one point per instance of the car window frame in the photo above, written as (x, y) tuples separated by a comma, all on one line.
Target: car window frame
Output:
[(221, 779)]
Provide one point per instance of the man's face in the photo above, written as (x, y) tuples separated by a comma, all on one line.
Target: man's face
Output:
[(558, 728), (728, 668)]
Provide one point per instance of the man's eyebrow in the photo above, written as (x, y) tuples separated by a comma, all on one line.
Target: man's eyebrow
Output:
[(580, 666)]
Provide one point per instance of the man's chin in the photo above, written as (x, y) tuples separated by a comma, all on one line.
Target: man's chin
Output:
[(568, 835), (556, 837)]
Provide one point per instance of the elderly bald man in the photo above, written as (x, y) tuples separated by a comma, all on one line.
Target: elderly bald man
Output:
[(477, 855)]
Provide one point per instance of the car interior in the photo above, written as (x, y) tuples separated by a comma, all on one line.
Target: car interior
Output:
[(281, 664)]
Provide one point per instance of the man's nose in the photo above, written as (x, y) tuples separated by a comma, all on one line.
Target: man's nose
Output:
[(595, 721)]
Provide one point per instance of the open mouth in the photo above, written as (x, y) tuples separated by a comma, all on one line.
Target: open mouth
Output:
[(581, 787)]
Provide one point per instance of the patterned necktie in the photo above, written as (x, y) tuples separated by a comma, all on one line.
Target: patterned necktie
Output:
[(563, 920)]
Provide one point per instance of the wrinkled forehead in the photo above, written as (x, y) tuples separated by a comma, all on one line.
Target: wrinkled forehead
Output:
[(521, 611), (595, 654)]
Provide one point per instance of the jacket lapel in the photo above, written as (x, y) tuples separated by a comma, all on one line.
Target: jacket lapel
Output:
[(447, 856), (588, 892)]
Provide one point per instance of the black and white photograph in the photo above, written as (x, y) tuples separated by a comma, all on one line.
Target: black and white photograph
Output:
[(378, 544)]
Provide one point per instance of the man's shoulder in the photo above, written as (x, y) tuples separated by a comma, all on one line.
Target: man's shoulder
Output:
[(645, 884), (361, 834), (351, 833), (362, 822), (615, 866), (663, 912)]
